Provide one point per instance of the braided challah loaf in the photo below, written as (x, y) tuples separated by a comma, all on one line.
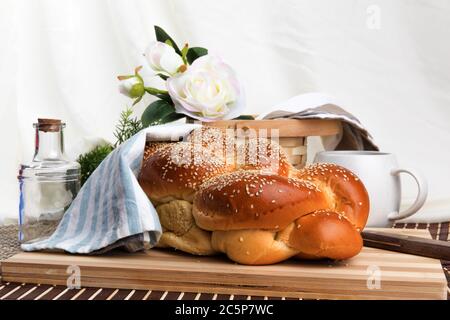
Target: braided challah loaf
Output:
[(250, 203)]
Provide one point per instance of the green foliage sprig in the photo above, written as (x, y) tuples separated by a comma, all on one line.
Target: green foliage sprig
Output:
[(92, 159), (127, 126)]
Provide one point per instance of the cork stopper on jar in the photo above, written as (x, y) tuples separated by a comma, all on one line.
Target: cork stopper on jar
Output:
[(49, 125)]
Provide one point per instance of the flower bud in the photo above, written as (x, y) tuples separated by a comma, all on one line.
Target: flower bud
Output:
[(132, 87), (163, 59)]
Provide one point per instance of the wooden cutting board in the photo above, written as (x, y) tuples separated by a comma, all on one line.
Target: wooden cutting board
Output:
[(401, 276)]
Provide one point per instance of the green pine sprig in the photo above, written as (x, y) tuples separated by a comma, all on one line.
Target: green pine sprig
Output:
[(92, 159), (127, 127)]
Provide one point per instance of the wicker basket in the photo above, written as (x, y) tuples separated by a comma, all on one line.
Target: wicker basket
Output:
[(292, 134)]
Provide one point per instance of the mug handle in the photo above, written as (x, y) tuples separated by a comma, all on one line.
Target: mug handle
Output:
[(421, 194)]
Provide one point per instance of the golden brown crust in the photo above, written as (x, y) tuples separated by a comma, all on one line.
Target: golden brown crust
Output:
[(325, 234), (319, 235), (264, 155), (346, 193), (176, 172), (254, 200), (253, 246)]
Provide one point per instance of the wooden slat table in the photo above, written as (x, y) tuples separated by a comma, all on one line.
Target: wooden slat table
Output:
[(22, 291)]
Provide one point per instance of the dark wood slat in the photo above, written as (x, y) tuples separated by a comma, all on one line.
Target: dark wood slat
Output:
[(87, 293), (104, 294), (257, 298), (422, 226), (172, 295), (433, 230), (39, 290), (407, 244), (189, 296), (240, 297), (411, 226), (443, 234), (121, 294), (206, 296), (138, 295), (8, 288), (53, 293), (223, 297), (155, 295), (69, 294), (20, 292), (2, 287)]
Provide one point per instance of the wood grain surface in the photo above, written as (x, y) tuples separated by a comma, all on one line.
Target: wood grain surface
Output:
[(286, 127), (402, 276)]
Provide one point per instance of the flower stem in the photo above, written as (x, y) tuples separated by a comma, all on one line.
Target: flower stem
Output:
[(154, 91)]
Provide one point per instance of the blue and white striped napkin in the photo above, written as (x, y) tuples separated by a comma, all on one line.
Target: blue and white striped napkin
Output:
[(111, 210)]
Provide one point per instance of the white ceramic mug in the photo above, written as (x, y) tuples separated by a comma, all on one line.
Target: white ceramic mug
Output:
[(380, 174)]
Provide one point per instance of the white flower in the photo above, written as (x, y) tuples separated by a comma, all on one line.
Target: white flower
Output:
[(163, 59), (131, 86), (207, 91)]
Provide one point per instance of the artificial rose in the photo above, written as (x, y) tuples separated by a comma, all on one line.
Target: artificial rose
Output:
[(163, 59), (208, 90), (131, 86)]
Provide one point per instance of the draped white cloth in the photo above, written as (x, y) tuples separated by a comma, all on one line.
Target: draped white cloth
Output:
[(387, 62)]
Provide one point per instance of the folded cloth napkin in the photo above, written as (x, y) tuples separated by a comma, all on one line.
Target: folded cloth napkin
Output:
[(318, 106), (111, 210)]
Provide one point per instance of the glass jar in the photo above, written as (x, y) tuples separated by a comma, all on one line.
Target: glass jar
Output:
[(47, 185)]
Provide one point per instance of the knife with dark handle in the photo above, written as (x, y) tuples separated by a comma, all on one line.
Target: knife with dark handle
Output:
[(407, 244)]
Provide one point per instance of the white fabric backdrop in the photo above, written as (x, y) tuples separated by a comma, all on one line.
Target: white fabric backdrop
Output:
[(385, 61)]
